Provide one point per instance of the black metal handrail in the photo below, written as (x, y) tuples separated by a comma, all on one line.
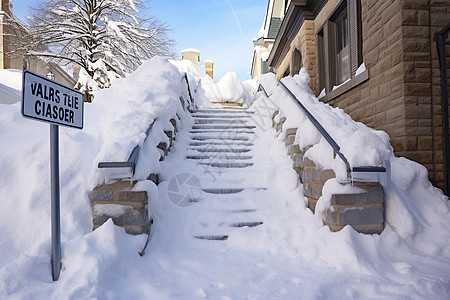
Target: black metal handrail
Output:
[(328, 138), (132, 159), (189, 88), (440, 39)]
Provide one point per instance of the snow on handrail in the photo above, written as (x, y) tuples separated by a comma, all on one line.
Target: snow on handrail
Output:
[(189, 89), (328, 138), (132, 159), (318, 126)]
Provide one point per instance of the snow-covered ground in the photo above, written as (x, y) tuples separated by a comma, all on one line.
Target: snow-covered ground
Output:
[(291, 256)]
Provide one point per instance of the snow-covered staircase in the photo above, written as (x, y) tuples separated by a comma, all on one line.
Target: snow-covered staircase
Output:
[(220, 146)]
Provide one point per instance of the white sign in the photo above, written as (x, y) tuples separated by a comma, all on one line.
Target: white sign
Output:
[(51, 102)]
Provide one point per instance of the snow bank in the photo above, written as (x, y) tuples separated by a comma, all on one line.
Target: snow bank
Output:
[(10, 86), (130, 105), (228, 89)]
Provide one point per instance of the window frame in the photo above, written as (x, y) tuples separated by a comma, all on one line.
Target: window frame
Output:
[(327, 49)]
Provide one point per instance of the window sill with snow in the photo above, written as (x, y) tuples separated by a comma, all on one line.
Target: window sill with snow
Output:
[(345, 87)]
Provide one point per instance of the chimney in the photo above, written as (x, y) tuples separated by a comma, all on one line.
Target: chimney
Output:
[(209, 68)]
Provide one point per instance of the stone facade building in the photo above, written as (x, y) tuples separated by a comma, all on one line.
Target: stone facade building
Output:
[(262, 45), (377, 60), (11, 31)]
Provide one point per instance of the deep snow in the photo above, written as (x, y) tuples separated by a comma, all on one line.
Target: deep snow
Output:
[(291, 256)]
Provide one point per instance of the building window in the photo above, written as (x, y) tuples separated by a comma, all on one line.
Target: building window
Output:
[(297, 62), (287, 72), (321, 58), (342, 51), (339, 45)]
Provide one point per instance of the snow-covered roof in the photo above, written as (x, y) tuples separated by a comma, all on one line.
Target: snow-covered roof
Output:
[(190, 50)]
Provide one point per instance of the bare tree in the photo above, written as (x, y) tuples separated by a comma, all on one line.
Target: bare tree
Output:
[(106, 38)]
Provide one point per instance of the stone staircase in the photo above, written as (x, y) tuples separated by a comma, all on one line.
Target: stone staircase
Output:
[(220, 150)]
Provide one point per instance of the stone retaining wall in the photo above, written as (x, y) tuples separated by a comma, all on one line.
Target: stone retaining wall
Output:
[(363, 211), (128, 208)]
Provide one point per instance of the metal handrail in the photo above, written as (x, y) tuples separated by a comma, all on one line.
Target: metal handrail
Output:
[(132, 159), (189, 89), (328, 138)]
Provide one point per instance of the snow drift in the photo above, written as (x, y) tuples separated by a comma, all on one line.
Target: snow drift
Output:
[(228, 89)]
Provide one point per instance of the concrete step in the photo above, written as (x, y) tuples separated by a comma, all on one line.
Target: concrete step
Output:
[(217, 150), (220, 111), (201, 143), (226, 165), (218, 156), (212, 237), (223, 127), (220, 138), (246, 224), (222, 191), (243, 211), (230, 190), (229, 132), (226, 116), (230, 121)]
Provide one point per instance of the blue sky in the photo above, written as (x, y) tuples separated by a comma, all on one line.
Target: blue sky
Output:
[(221, 29)]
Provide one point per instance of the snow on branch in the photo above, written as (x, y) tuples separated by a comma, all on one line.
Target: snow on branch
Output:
[(107, 38)]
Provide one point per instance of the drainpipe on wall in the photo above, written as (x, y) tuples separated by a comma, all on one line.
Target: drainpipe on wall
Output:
[(440, 38)]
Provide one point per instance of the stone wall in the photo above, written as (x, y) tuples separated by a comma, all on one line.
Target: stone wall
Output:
[(363, 211), (305, 42), (402, 95), (118, 201)]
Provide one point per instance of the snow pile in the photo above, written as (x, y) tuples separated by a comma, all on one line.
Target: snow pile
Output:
[(228, 89), (10, 86), (192, 70), (151, 94)]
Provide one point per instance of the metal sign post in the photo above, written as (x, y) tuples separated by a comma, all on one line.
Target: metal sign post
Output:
[(55, 201), (50, 102)]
